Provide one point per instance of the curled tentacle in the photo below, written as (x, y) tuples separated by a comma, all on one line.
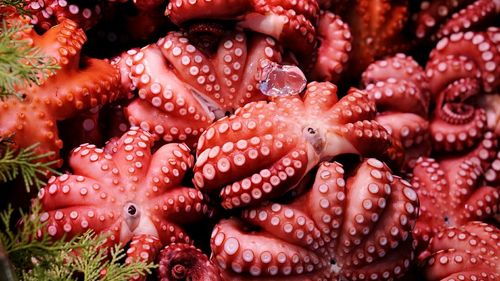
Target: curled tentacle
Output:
[(185, 262)]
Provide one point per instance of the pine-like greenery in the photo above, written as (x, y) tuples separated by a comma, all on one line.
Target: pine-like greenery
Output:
[(44, 259), (24, 163), (21, 65)]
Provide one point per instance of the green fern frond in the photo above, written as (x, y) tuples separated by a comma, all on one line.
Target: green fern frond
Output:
[(21, 65), (24, 163), (45, 259)]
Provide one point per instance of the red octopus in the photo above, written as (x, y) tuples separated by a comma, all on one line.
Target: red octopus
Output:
[(348, 226), (441, 18), (468, 252), (290, 22), (266, 148), (400, 89), (127, 192), (80, 84), (183, 89), (180, 261), (461, 68), (451, 190), (47, 13)]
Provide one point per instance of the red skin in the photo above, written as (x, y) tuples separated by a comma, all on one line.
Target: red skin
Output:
[(267, 148), (378, 29), (441, 18), (79, 85), (179, 261), (47, 13), (462, 67), (127, 192), (335, 46), (290, 22), (183, 89), (362, 220), (468, 252), (452, 192), (400, 89)]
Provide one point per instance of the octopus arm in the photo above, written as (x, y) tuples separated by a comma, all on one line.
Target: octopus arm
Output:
[(482, 204), (237, 250), (182, 205), (168, 167), (333, 53), (476, 14)]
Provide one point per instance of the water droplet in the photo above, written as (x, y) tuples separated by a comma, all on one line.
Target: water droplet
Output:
[(281, 80)]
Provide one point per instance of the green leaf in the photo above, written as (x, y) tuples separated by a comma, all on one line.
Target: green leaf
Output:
[(25, 163)]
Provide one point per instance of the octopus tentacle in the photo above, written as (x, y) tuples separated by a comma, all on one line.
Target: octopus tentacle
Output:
[(433, 13), (143, 248), (477, 13), (467, 252), (477, 48), (183, 261), (333, 53), (47, 13)]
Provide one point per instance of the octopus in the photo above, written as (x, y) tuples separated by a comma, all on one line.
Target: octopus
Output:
[(438, 19), (47, 13), (290, 22), (400, 89), (78, 85), (183, 89), (126, 192), (468, 252), (461, 68), (348, 226), (180, 261), (452, 191), (266, 148)]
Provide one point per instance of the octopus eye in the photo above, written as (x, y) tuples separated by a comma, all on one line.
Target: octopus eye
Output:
[(131, 210), (311, 131)]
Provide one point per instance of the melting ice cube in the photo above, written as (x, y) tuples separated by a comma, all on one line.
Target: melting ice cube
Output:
[(281, 80)]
